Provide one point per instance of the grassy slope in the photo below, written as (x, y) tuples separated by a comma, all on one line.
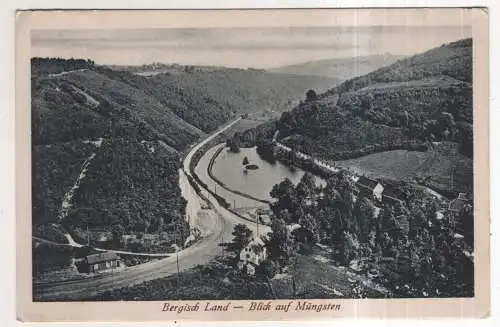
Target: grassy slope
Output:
[(396, 164), (437, 166)]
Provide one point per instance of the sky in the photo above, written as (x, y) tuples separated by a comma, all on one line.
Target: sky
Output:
[(239, 47)]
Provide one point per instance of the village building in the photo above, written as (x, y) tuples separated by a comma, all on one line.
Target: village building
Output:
[(149, 240), (129, 239), (252, 255), (439, 215), (264, 215), (370, 188), (99, 262), (164, 236), (458, 204)]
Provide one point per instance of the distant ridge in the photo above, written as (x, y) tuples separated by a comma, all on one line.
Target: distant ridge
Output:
[(339, 68)]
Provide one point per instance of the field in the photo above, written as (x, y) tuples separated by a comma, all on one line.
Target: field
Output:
[(448, 170), (396, 164), (435, 167)]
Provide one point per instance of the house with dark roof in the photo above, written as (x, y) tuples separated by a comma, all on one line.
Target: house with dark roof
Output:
[(370, 188), (100, 262), (458, 204)]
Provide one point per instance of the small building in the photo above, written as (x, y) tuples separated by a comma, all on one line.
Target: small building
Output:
[(101, 262), (164, 236), (293, 227), (458, 204), (128, 239), (150, 239), (264, 215), (370, 188), (439, 215), (252, 255)]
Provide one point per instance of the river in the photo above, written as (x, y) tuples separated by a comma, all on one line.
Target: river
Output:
[(228, 168)]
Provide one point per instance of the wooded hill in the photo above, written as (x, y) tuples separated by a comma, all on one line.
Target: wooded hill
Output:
[(121, 134), (206, 97), (426, 97)]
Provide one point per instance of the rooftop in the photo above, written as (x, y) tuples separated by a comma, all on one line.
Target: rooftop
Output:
[(370, 183), (102, 257)]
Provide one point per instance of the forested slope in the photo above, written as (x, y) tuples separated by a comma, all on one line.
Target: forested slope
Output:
[(423, 98), (207, 96)]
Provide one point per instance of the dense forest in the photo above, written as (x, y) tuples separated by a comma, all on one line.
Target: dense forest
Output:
[(104, 145), (43, 66), (415, 253), (129, 184)]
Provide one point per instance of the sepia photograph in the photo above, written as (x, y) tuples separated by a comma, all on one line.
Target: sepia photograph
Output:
[(257, 163)]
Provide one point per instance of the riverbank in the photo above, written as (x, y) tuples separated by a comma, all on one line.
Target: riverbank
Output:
[(221, 200), (221, 184)]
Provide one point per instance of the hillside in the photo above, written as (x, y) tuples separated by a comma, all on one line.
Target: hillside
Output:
[(106, 142), (207, 96), (84, 104), (100, 148), (341, 68), (426, 97)]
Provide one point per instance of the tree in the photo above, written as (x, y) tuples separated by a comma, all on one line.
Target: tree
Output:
[(311, 95), (233, 144), (446, 120), (281, 246), (245, 161), (467, 224), (285, 193), (364, 213), (268, 270), (306, 186), (308, 222), (241, 237), (466, 138), (349, 247)]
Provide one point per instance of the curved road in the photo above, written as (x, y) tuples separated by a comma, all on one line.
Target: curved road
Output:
[(200, 253)]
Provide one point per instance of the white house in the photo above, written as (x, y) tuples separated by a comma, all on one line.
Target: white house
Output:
[(252, 255), (370, 187)]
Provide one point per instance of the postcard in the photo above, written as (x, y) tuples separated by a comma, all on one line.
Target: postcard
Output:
[(224, 165)]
